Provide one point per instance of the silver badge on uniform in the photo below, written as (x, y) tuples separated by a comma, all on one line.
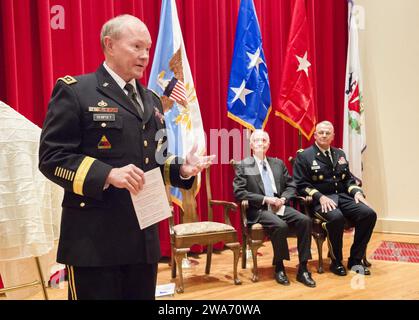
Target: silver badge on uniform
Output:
[(102, 104), (104, 117)]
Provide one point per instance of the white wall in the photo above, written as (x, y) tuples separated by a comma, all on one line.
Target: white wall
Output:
[(390, 62)]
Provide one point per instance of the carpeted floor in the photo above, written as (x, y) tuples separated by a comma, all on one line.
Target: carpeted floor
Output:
[(397, 251)]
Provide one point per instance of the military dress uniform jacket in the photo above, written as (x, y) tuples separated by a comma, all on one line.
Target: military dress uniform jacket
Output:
[(248, 184), (315, 174), (91, 127)]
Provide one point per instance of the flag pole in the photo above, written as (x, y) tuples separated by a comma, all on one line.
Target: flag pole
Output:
[(291, 159), (300, 139)]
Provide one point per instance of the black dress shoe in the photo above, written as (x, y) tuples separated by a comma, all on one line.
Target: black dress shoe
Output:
[(338, 269), (282, 278), (305, 278), (359, 268)]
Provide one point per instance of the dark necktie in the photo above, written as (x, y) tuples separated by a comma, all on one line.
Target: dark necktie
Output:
[(133, 97), (327, 153)]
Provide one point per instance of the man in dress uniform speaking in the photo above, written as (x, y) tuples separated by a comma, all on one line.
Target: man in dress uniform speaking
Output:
[(98, 139)]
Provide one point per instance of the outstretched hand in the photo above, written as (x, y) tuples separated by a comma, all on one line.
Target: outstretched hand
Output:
[(195, 163)]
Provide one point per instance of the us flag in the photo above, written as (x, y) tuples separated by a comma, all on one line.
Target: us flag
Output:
[(175, 90), (171, 78)]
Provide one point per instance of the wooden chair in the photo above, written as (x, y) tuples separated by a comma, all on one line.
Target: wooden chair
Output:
[(190, 231), (318, 232), (253, 236)]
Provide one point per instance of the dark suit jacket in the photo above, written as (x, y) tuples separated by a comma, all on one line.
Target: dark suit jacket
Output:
[(91, 127), (248, 184)]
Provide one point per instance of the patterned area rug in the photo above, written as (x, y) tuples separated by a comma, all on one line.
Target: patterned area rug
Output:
[(397, 251)]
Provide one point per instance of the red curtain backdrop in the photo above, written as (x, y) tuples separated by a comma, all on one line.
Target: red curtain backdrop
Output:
[(33, 55)]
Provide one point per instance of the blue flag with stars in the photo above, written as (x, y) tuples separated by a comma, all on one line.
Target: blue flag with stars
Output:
[(249, 96)]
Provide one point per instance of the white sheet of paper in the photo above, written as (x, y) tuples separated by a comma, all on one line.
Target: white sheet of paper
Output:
[(151, 204), (165, 290), (281, 211)]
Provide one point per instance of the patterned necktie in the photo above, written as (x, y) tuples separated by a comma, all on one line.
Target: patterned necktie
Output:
[(267, 182), (133, 97)]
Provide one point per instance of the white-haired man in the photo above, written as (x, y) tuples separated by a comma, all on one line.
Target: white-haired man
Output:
[(266, 184)]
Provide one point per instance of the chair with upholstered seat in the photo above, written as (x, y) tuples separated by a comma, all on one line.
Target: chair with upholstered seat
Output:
[(189, 231)]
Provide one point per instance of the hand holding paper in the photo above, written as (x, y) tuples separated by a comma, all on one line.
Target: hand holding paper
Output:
[(151, 205)]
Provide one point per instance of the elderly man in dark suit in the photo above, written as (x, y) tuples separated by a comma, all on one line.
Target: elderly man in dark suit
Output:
[(266, 184), (102, 132)]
